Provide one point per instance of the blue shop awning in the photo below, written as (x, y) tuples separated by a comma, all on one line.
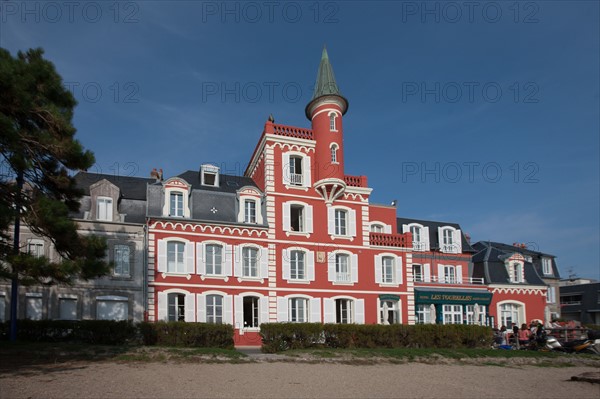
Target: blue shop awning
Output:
[(447, 296)]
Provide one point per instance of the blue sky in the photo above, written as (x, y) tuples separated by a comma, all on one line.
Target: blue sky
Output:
[(481, 113)]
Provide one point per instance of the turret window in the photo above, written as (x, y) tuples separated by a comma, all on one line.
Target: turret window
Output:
[(332, 122), (334, 149)]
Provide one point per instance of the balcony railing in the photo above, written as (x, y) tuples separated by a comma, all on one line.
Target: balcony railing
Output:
[(444, 280), (355, 181), (450, 248), (419, 245), (391, 240), (296, 179), (291, 131), (342, 277)]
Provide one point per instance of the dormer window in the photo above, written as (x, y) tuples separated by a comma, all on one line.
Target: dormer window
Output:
[(334, 149), (104, 209), (249, 211), (516, 273), (209, 175), (416, 233), (420, 235), (450, 239), (515, 268), (332, 124), (547, 266), (176, 204)]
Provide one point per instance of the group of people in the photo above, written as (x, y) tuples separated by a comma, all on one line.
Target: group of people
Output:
[(523, 336)]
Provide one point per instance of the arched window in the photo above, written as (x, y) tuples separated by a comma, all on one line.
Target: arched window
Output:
[(416, 233), (334, 149), (175, 262), (332, 124)]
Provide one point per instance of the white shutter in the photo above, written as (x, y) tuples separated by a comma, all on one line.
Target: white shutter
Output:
[(399, 277), (286, 168), (330, 220), (427, 273), (405, 229), (425, 237), (227, 259), (287, 225), (306, 173), (378, 276), (282, 310), (359, 311), (189, 257), (315, 310), (459, 277), (331, 266), (228, 309), (440, 237), (264, 309), (163, 306), (328, 310), (308, 218), (457, 239), (200, 261), (264, 262), (310, 265), (352, 223), (387, 228), (190, 308), (162, 256), (239, 312), (241, 205), (237, 262), (354, 268), (285, 264), (201, 308), (441, 278)]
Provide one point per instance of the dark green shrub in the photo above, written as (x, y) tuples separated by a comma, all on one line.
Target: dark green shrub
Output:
[(178, 333), (103, 332), (278, 337)]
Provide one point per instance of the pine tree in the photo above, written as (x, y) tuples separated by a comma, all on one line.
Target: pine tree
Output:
[(39, 152)]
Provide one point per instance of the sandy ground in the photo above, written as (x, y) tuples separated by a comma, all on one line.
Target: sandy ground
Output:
[(293, 380)]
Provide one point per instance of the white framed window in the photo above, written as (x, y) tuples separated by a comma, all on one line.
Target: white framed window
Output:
[(298, 264), (470, 312), (213, 259), (343, 310), (175, 257), (249, 262), (35, 247), (112, 308), (332, 122), (176, 204), (298, 310), (297, 217), (389, 312), (251, 311), (104, 208), (344, 313), (176, 307), (342, 267), (511, 312), (296, 169), (33, 306), (388, 269), (423, 313), (341, 221), (420, 235), (547, 266), (452, 314), (551, 295), (376, 228), (450, 239), (515, 272), (418, 273), (209, 175), (334, 150), (214, 309), (449, 274), (250, 211), (121, 260), (67, 308)]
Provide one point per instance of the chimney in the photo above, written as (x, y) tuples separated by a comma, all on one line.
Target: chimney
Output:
[(468, 238), (158, 176)]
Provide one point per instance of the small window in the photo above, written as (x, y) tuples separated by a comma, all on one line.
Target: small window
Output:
[(176, 310), (387, 270), (418, 273), (104, 209), (249, 262), (210, 175), (214, 309), (297, 265), (36, 248), (341, 222), (175, 262), (448, 237), (550, 295), (453, 314), (121, 260), (249, 211), (295, 170), (298, 310), (516, 273), (334, 149), (214, 259), (176, 204), (416, 233), (297, 218), (450, 274), (67, 308), (377, 228), (33, 309), (332, 124), (343, 311), (342, 268), (250, 312), (547, 266), (424, 314)]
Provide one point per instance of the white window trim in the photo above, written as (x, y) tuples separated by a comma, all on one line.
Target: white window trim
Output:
[(307, 214), (185, 192), (306, 170), (110, 215), (263, 311), (210, 169), (227, 306), (397, 272), (162, 304), (456, 246), (510, 265), (37, 241), (352, 265), (188, 257), (549, 271), (522, 311), (398, 310), (335, 124), (262, 263), (309, 265), (358, 308), (242, 208), (387, 229), (314, 311), (351, 230), (226, 260), (424, 244), (333, 151)]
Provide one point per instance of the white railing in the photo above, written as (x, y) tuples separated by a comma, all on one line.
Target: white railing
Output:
[(296, 179), (419, 245), (342, 277), (444, 280), (450, 248)]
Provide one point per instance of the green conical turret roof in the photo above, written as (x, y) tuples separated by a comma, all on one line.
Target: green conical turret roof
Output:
[(325, 84)]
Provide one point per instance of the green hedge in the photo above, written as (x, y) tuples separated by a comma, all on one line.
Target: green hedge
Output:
[(102, 332), (283, 336), (187, 334)]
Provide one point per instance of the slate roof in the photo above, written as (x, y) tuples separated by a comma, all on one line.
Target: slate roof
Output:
[(325, 84), (227, 183), (535, 255), (131, 187), (488, 263), (434, 241)]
